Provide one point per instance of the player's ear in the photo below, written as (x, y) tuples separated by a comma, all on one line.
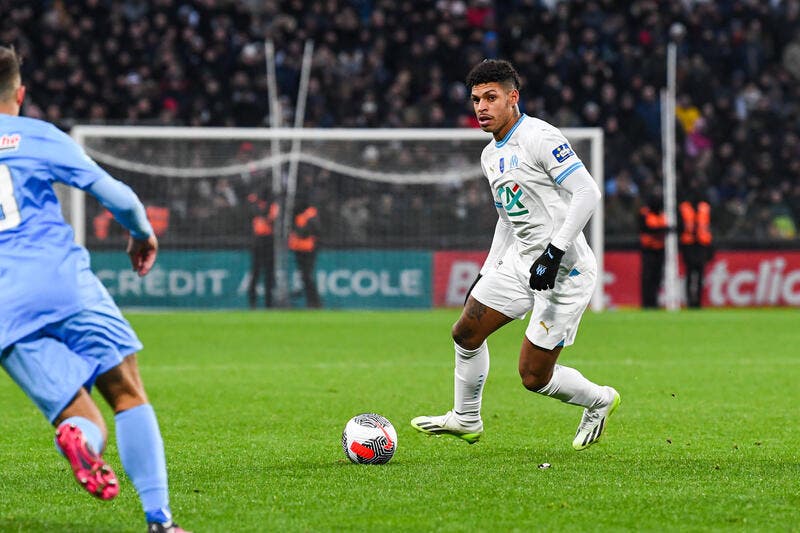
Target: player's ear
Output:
[(20, 94), (513, 97)]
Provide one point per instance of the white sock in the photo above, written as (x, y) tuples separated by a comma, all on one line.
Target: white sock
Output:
[(569, 386), (472, 368)]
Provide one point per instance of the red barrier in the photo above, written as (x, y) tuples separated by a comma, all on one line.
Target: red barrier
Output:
[(733, 279), (453, 274)]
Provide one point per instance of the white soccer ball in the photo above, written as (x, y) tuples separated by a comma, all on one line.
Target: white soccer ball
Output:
[(369, 438)]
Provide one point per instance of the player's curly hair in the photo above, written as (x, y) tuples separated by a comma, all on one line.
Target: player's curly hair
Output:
[(494, 70)]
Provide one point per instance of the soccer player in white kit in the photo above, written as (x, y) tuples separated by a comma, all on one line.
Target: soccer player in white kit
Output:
[(539, 262)]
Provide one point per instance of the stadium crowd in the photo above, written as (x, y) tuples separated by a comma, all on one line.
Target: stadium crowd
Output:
[(386, 63)]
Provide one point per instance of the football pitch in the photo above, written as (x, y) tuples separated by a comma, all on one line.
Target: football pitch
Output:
[(252, 406)]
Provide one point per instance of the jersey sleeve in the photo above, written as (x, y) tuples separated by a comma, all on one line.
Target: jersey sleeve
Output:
[(123, 204), (555, 155), (585, 198), (562, 164), (70, 164)]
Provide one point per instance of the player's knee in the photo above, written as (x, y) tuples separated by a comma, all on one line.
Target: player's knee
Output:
[(465, 337), (532, 380), (122, 390), (125, 400)]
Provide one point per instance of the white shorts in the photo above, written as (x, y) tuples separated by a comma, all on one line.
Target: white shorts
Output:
[(555, 313)]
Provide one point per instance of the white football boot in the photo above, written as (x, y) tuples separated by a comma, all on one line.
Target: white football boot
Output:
[(593, 422), (447, 424)]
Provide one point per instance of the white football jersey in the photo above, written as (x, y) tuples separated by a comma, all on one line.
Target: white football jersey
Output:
[(525, 170)]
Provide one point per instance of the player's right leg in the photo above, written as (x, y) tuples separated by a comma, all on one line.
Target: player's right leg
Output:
[(469, 333)]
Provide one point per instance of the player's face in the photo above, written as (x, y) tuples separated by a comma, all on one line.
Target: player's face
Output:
[(495, 106)]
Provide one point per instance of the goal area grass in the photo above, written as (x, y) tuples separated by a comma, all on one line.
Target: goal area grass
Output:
[(252, 406)]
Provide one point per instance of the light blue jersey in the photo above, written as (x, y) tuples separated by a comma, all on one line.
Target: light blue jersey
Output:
[(44, 276)]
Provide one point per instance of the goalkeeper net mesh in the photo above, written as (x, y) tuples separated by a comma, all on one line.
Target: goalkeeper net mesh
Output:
[(373, 189), (390, 204)]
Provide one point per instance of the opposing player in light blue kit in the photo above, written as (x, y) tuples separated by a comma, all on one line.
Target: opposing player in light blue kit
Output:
[(539, 262), (61, 332)]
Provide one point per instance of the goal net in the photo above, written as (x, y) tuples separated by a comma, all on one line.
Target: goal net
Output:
[(405, 214)]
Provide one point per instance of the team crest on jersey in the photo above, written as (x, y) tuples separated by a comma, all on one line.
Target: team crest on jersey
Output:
[(512, 164), (509, 197), (563, 153), (9, 142)]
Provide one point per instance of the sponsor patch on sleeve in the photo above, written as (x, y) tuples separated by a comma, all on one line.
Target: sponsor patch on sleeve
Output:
[(563, 152), (9, 141)]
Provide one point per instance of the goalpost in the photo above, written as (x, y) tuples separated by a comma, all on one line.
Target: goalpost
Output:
[(392, 191)]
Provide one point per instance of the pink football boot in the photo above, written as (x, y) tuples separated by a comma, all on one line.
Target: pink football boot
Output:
[(90, 470)]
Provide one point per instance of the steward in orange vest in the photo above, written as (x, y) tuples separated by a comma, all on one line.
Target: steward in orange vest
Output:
[(303, 242), (652, 232), (264, 215), (652, 227), (303, 237), (695, 244)]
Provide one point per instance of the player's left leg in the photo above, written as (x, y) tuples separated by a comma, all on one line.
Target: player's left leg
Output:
[(541, 374), (554, 324)]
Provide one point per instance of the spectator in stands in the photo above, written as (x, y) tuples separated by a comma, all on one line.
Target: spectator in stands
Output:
[(202, 63), (781, 223)]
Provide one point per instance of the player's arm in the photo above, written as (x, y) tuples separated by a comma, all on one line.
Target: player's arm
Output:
[(585, 198), (128, 211), (503, 237), (73, 167), (564, 167)]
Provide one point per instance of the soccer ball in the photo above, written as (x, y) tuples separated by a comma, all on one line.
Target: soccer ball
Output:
[(369, 439)]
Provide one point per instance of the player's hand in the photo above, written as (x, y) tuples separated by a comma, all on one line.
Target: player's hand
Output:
[(142, 253), (544, 269)]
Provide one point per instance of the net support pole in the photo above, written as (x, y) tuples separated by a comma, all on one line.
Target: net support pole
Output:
[(280, 233), (671, 282), (299, 119), (598, 226), (77, 203)]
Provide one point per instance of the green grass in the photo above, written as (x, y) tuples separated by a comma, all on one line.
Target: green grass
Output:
[(252, 406)]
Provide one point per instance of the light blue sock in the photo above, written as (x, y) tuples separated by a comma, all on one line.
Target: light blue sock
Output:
[(91, 432), (141, 451)]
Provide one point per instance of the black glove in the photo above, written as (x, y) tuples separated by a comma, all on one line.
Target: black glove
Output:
[(544, 269)]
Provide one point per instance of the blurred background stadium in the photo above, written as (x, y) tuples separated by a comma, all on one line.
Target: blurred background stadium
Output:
[(401, 64)]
